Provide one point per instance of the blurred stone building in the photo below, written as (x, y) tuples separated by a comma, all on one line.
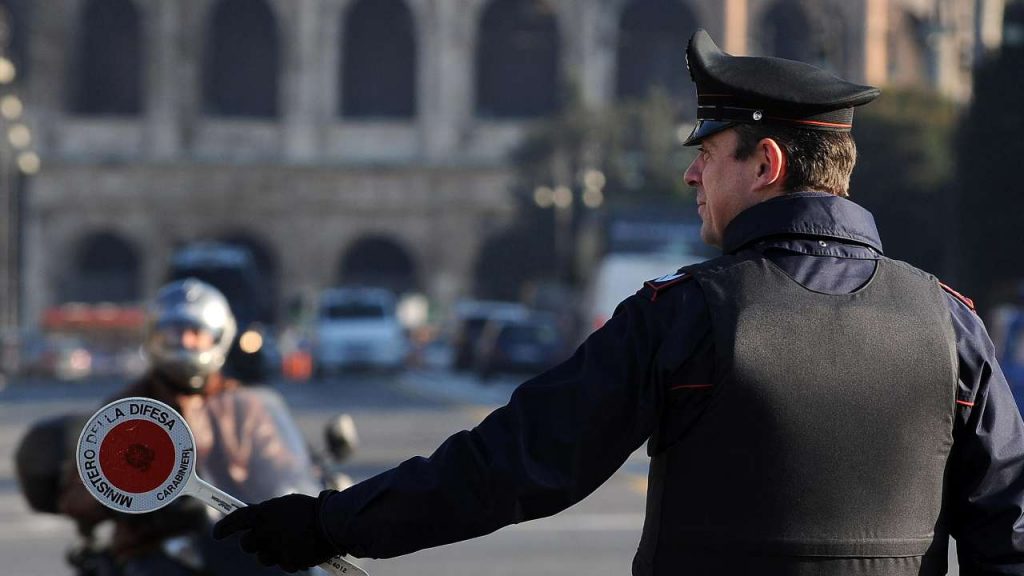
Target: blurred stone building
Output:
[(365, 140)]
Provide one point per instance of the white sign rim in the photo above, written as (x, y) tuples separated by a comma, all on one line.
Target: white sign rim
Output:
[(142, 502)]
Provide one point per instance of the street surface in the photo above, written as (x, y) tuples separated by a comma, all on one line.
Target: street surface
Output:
[(397, 417)]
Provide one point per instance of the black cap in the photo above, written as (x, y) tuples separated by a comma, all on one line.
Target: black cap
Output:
[(761, 90)]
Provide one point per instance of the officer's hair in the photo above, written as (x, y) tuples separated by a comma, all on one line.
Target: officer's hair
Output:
[(816, 159)]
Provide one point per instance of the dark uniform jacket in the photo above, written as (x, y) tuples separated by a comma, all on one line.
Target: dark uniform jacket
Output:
[(639, 378)]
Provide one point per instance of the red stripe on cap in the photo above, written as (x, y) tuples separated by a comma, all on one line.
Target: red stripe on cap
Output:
[(811, 122)]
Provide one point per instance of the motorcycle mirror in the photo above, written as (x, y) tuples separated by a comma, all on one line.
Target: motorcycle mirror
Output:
[(341, 437), (137, 455)]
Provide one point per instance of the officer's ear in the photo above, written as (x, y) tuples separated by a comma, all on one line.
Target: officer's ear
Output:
[(771, 168)]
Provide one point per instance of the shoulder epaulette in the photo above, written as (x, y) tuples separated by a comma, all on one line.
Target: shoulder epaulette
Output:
[(652, 288), (963, 299)]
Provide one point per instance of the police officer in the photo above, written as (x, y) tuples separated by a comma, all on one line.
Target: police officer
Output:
[(811, 406)]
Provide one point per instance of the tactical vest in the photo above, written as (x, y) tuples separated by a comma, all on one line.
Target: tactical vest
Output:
[(824, 444)]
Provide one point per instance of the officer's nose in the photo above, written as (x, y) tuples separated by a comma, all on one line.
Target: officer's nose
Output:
[(692, 174)]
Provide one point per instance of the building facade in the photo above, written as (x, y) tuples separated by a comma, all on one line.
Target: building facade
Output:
[(343, 138)]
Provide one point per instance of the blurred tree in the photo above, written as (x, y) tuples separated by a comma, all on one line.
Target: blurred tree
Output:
[(990, 148), (16, 19), (634, 146), (904, 175)]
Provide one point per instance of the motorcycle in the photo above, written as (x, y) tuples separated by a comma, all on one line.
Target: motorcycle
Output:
[(45, 459)]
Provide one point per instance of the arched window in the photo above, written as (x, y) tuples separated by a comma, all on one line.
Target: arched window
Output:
[(379, 61), (800, 30), (105, 269), (652, 40), (242, 59), (378, 261), (107, 64), (517, 60)]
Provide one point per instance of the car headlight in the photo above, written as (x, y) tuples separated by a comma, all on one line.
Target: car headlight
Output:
[(250, 341)]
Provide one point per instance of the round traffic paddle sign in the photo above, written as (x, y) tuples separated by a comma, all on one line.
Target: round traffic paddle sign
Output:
[(136, 455)]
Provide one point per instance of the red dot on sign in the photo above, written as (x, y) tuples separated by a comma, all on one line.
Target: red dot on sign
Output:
[(137, 456)]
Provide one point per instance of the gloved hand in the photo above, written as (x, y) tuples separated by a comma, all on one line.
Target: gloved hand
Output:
[(284, 531)]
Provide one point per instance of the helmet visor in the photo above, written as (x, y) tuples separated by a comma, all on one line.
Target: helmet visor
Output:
[(177, 334)]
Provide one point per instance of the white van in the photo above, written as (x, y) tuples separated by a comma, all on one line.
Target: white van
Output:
[(620, 275), (358, 327)]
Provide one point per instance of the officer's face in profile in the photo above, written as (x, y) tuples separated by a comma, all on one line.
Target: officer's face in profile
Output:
[(725, 186)]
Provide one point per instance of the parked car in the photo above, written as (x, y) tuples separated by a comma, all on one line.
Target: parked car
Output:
[(358, 328), (525, 345), (55, 356), (470, 318)]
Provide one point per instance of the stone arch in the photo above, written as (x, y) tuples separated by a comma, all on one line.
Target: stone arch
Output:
[(511, 258), (379, 60), (518, 60), (105, 268), (377, 260), (241, 60), (652, 37), (107, 63)]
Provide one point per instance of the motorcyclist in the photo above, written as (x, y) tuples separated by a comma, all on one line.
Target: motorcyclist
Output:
[(246, 442)]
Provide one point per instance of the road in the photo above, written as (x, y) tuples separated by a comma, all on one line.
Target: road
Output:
[(397, 417)]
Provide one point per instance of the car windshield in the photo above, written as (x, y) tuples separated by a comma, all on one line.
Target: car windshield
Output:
[(345, 310)]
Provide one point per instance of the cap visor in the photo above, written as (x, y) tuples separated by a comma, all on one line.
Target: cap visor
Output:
[(705, 128)]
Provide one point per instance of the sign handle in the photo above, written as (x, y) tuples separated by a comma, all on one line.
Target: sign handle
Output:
[(212, 496)]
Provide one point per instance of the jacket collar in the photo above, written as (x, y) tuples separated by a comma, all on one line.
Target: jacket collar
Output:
[(806, 214)]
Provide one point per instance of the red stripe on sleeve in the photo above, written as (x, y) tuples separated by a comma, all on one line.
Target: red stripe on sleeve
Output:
[(690, 386), (966, 301)]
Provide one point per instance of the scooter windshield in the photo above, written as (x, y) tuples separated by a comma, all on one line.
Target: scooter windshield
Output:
[(250, 446)]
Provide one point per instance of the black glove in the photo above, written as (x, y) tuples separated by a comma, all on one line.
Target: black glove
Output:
[(284, 531)]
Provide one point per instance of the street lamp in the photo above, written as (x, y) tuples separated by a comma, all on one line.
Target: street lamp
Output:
[(16, 158), (562, 199), (7, 70), (11, 107), (543, 197), (19, 136), (593, 188), (29, 163)]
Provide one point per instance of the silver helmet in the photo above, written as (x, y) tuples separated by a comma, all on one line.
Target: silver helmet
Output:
[(195, 308)]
